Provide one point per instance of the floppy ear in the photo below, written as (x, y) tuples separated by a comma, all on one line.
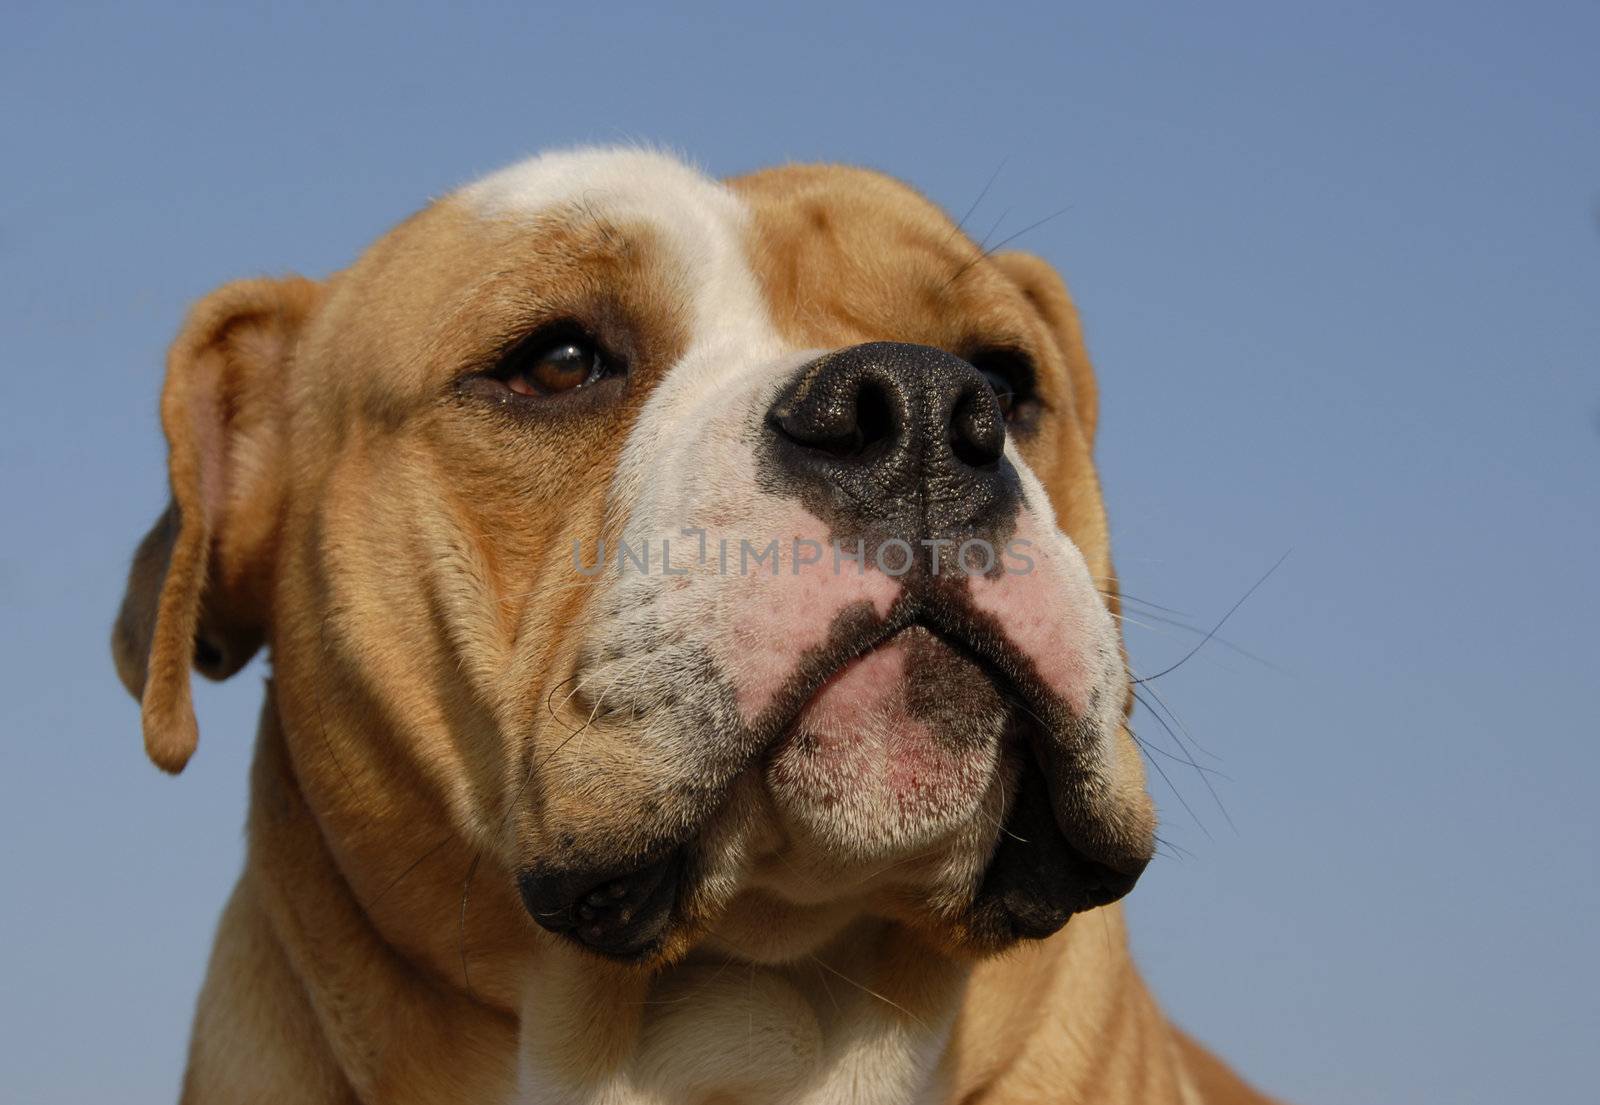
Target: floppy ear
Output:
[(199, 587), (1048, 293)]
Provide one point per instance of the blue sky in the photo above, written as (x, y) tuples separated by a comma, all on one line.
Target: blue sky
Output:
[(1340, 270)]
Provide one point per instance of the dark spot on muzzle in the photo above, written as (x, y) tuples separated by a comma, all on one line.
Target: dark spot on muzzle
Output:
[(621, 912)]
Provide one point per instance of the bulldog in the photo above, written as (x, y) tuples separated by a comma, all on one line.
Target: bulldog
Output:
[(696, 671)]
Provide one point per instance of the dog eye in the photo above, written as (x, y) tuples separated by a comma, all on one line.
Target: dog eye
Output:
[(545, 366), (1010, 375)]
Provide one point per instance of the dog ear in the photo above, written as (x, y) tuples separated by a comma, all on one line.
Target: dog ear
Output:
[(1048, 293), (198, 591)]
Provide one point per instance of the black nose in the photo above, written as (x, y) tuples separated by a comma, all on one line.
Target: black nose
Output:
[(895, 438)]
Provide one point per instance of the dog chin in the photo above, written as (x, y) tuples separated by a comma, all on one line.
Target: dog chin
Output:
[(894, 754)]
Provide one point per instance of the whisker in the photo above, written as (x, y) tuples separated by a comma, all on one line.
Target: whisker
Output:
[(1134, 620), (1150, 689), (410, 867), (868, 990), (1176, 793), (996, 822), (986, 251), (1121, 594), (1008, 239), (903, 861), (461, 926), (984, 240), (823, 978), (1223, 620), (962, 222), (1231, 646), (1204, 773), (696, 992), (1184, 760), (1173, 848)]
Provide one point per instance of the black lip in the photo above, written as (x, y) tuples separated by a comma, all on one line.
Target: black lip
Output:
[(621, 913), (1037, 878)]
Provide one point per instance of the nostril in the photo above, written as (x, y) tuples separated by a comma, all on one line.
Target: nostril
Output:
[(852, 427), (977, 429), (874, 415), (844, 442)]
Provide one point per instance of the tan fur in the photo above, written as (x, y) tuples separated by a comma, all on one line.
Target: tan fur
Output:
[(404, 558)]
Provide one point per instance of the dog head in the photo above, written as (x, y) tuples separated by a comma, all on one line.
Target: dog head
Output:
[(724, 561)]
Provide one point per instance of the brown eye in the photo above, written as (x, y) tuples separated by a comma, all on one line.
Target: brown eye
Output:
[(550, 367)]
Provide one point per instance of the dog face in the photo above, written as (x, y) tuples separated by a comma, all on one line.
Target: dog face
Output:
[(725, 561)]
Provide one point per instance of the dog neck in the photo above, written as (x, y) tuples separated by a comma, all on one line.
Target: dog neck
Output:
[(496, 1012)]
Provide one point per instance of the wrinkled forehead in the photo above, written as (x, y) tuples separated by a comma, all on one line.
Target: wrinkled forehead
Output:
[(847, 255), (628, 198), (835, 254), (800, 257)]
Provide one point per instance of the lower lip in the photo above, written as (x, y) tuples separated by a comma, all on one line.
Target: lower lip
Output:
[(859, 765)]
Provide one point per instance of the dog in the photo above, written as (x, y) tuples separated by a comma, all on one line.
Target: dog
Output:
[(696, 672)]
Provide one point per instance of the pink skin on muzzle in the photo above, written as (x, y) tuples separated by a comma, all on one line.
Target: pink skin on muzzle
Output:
[(1051, 614), (776, 618), (857, 745)]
